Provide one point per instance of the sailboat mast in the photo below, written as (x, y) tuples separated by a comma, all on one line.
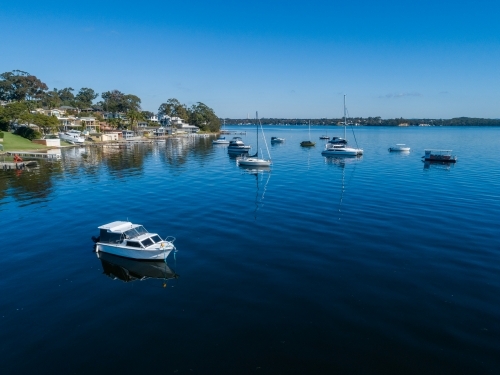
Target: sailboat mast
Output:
[(257, 130), (345, 121)]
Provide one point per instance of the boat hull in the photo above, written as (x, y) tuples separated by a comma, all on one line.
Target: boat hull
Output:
[(341, 151), (127, 252), (70, 138), (250, 162), (441, 160)]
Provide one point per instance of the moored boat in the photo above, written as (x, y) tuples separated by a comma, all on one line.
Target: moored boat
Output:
[(277, 140), (236, 146), (133, 241), (337, 146), (72, 136), (220, 141), (400, 147), (439, 156), (254, 160)]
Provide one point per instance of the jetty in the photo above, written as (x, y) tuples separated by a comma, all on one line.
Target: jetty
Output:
[(47, 155), (7, 165)]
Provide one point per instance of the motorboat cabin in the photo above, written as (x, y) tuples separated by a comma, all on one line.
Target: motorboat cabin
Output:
[(236, 145)]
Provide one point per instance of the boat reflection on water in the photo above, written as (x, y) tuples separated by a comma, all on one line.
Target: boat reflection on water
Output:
[(438, 165), (259, 172), (131, 270), (342, 162)]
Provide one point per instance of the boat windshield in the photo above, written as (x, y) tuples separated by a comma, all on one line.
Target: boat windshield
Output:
[(134, 232), (156, 238), (147, 242)]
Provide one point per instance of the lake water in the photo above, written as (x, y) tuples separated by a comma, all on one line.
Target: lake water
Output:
[(375, 265)]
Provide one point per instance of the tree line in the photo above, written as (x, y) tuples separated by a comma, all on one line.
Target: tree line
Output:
[(371, 121), (24, 93)]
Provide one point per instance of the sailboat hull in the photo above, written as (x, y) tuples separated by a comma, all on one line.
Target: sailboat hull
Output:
[(254, 162), (342, 152)]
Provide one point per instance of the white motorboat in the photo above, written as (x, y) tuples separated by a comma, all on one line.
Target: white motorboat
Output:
[(254, 160), (277, 140), (400, 147), (237, 146), (133, 241), (220, 141), (338, 146), (72, 136)]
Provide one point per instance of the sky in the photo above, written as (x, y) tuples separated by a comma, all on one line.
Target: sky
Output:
[(285, 59)]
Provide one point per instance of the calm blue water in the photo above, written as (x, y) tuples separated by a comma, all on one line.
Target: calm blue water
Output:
[(376, 265)]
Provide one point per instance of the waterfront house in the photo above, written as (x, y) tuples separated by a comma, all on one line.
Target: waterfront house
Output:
[(128, 134)]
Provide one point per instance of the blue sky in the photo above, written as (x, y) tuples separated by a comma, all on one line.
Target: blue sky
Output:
[(425, 59)]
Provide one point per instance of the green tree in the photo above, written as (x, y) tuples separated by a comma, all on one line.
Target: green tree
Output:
[(66, 96), (48, 124), (133, 117), (204, 117), (51, 99), (18, 85), (117, 102), (173, 108), (85, 97)]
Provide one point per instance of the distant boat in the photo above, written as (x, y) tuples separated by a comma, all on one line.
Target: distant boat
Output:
[(277, 140), (443, 156), (338, 146), (308, 143), (324, 137), (400, 147), (221, 140), (254, 160)]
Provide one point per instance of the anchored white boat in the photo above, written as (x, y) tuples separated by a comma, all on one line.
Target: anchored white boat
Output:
[(254, 160), (236, 146), (338, 146), (220, 141), (400, 147), (72, 136), (277, 140), (129, 240)]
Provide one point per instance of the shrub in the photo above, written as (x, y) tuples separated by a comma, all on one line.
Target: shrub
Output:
[(27, 133)]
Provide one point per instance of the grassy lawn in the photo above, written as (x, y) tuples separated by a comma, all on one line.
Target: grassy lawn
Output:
[(13, 142)]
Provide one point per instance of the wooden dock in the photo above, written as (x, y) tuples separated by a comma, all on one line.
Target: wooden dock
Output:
[(23, 165)]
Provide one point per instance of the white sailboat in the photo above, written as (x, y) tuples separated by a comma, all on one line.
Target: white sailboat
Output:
[(340, 148), (221, 140), (254, 160)]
